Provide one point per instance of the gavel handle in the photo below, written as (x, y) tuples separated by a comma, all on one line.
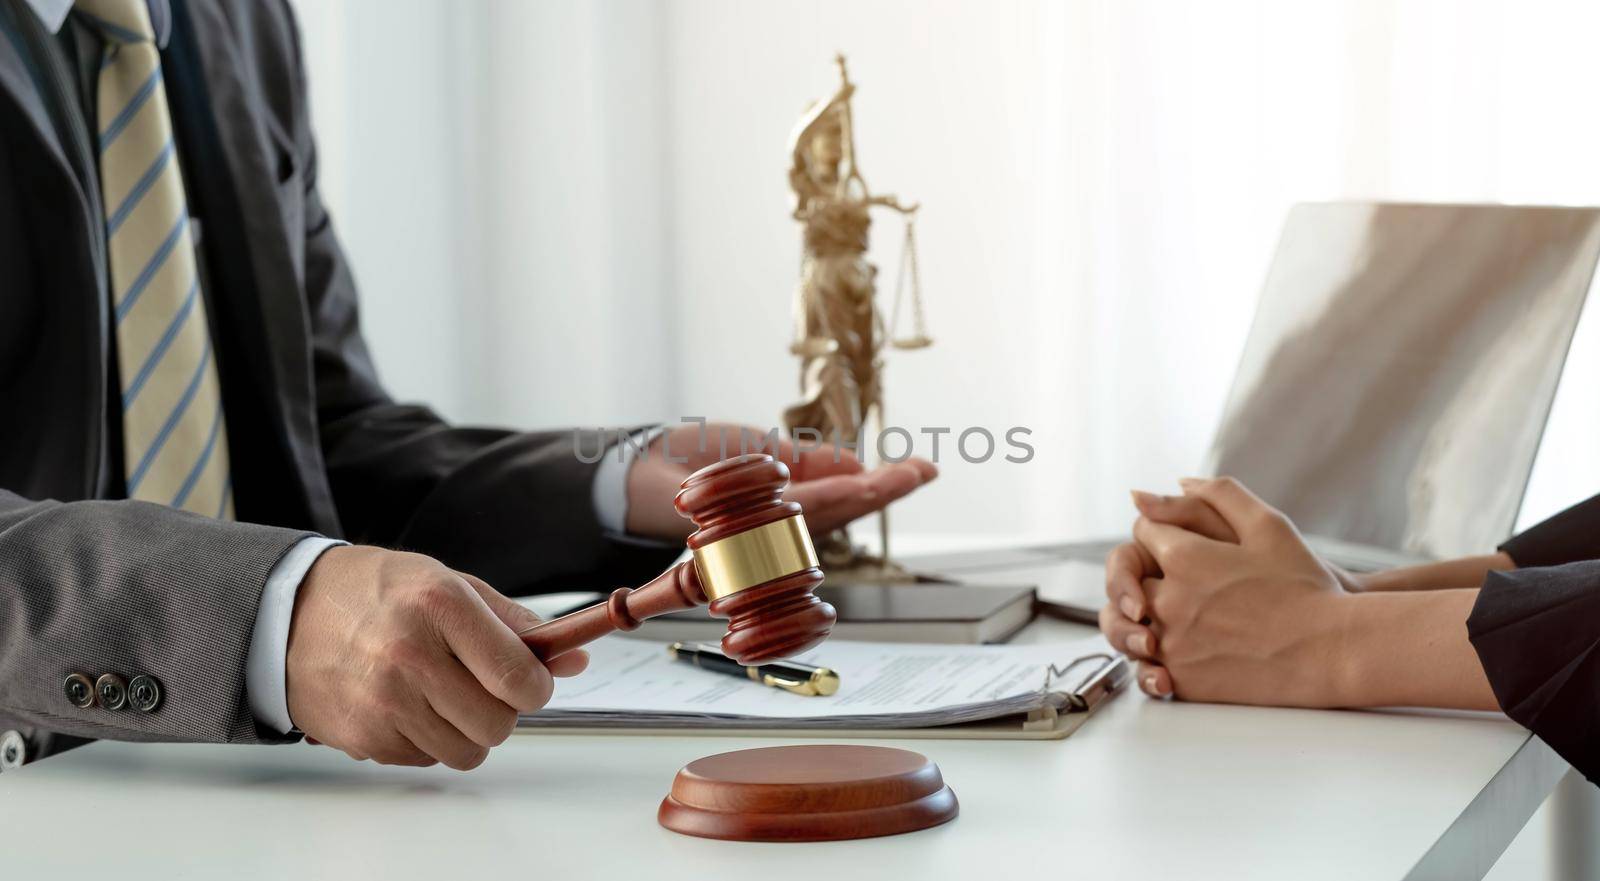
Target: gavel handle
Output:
[(673, 590)]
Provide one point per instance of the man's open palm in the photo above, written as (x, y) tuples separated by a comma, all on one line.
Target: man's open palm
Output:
[(830, 484)]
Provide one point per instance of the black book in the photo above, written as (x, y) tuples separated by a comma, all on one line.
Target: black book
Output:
[(938, 613)]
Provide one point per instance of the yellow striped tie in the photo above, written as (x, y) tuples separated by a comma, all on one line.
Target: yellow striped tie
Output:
[(174, 441)]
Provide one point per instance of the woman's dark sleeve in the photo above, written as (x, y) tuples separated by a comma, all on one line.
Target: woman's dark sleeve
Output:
[(1572, 535), (1537, 633)]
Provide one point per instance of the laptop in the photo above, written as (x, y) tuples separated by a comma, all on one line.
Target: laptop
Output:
[(1393, 389)]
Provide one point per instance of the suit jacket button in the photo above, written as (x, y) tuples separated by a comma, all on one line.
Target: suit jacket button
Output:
[(145, 692), (13, 751), (80, 691), (111, 691)]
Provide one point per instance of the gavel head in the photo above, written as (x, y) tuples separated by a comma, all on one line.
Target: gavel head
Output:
[(755, 559)]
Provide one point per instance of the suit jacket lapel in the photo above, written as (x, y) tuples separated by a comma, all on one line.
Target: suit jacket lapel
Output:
[(213, 87), (247, 153), (73, 273), (17, 84)]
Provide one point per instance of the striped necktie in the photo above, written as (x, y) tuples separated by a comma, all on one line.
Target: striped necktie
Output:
[(174, 442)]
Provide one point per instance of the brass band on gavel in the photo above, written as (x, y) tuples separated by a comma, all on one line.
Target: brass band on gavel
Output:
[(763, 554)]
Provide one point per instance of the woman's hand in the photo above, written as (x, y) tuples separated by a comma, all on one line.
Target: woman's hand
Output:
[(1124, 619), (1264, 621), (1259, 622)]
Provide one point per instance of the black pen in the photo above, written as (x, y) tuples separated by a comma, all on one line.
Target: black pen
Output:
[(787, 675)]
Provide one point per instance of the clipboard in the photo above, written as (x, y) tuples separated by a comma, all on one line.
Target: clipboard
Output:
[(1103, 682)]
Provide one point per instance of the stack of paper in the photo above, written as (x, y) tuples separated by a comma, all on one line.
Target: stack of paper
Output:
[(882, 686)]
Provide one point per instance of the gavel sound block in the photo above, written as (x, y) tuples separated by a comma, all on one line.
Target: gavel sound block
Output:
[(753, 562), (819, 792)]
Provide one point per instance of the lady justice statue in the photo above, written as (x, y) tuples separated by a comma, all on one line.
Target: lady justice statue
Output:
[(840, 332)]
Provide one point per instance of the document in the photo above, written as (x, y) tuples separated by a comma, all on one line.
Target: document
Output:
[(882, 685)]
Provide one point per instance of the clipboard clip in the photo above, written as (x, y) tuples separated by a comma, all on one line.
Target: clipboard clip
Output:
[(1102, 680)]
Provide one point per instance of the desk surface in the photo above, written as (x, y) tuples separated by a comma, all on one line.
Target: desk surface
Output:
[(1145, 790)]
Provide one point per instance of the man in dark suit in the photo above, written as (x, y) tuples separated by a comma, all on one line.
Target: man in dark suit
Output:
[(191, 427)]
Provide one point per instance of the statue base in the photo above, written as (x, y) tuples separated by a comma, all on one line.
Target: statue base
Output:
[(847, 563), (869, 569)]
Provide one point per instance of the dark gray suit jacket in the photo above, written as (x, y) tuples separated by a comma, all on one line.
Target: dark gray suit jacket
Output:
[(92, 584)]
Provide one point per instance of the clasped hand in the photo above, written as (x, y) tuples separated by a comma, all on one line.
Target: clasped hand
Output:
[(1219, 599)]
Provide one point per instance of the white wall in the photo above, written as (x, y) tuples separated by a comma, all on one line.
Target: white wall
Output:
[(496, 173), (568, 212)]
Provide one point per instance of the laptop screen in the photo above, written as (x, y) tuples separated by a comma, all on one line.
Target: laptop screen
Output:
[(1401, 366)]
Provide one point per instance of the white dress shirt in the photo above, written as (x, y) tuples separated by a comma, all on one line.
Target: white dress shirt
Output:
[(52, 12)]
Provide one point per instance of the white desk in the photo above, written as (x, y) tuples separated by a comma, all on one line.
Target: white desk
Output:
[(1146, 790)]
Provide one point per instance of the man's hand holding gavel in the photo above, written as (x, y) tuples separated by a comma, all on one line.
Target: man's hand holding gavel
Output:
[(397, 658)]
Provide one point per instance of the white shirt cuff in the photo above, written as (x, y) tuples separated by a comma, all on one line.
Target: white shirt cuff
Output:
[(265, 685), (611, 480)]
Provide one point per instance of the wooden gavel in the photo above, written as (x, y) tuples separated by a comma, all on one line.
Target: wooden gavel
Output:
[(753, 561)]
